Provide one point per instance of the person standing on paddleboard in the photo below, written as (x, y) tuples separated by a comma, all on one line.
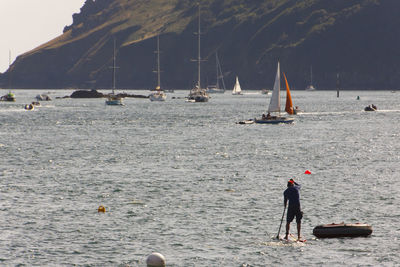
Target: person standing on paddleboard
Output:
[(292, 194)]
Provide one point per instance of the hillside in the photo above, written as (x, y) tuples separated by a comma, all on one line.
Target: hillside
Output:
[(357, 38)]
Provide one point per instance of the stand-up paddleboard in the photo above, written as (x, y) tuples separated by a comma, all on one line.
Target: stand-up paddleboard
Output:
[(292, 239)]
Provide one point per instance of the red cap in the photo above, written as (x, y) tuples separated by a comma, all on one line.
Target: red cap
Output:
[(291, 181)]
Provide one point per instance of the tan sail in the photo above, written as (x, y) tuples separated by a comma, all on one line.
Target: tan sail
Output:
[(289, 102)]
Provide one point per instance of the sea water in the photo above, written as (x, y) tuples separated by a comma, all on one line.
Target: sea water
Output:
[(183, 179)]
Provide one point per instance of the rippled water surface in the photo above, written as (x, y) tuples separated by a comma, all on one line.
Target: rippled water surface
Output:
[(185, 180)]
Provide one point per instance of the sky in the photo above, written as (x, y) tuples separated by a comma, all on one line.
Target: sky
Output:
[(26, 24)]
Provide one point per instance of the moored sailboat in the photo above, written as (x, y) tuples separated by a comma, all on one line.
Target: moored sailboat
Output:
[(216, 88), (275, 104), (113, 99), (10, 97), (311, 87), (159, 95), (198, 94)]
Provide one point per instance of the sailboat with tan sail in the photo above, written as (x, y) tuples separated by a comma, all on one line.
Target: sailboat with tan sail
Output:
[(275, 104)]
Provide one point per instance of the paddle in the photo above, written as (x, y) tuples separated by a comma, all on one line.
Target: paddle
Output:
[(283, 215)]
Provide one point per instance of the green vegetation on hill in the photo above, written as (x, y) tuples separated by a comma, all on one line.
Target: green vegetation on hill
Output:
[(356, 38)]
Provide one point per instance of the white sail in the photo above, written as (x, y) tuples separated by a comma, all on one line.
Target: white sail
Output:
[(236, 89), (275, 103)]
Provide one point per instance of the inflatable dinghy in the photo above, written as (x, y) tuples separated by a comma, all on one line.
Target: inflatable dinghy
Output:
[(342, 230)]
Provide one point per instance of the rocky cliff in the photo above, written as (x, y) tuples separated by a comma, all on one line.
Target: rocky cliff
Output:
[(357, 38)]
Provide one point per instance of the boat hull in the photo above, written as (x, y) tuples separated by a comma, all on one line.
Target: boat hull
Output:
[(369, 109), (215, 91), (342, 230), (198, 99), (246, 122), (201, 99), (114, 102), (157, 97), (198, 95), (277, 120)]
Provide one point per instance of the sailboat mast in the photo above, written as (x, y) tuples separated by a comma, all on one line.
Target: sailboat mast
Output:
[(9, 69), (337, 84), (220, 75), (199, 56), (217, 64), (114, 67), (158, 63)]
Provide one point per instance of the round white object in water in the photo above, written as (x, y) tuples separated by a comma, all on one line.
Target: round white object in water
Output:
[(155, 260)]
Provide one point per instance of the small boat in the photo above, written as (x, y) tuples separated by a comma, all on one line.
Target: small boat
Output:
[(265, 91), (159, 94), (10, 97), (113, 99), (29, 107), (342, 230), (250, 121), (197, 94), (311, 86), (237, 90), (371, 108), (43, 97), (274, 120), (275, 104), (212, 89), (36, 103)]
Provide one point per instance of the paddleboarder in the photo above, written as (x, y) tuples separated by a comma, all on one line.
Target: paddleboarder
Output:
[(292, 194)]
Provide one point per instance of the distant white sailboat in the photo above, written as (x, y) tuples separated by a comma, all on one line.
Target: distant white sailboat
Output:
[(198, 94), (159, 95), (311, 86), (237, 90), (113, 99)]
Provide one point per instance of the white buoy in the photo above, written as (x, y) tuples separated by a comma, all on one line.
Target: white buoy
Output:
[(155, 260)]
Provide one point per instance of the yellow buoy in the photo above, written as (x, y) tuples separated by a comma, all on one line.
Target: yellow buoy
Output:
[(101, 209)]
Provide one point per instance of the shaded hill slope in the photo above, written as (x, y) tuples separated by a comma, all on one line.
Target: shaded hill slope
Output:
[(357, 38)]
